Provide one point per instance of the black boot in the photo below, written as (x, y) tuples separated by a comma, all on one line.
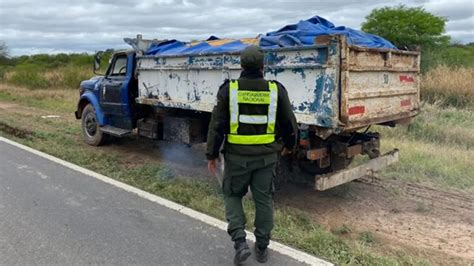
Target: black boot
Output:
[(261, 254), (242, 251)]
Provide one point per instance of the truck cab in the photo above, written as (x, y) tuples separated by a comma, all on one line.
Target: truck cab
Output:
[(107, 102), (108, 107)]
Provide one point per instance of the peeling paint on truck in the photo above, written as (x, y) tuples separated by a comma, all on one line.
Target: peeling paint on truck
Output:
[(323, 82)]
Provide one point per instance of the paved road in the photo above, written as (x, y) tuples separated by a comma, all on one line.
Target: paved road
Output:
[(50, 214)]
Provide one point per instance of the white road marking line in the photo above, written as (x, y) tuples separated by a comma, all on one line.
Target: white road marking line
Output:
[(275, 246)]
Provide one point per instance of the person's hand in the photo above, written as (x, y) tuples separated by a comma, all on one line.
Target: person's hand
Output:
[(286, 152), (212, 166)]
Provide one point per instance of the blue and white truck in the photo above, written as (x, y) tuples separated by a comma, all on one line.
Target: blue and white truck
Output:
[(337, 90)]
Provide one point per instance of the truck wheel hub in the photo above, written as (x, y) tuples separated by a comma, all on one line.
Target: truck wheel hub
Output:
[(91, 125)]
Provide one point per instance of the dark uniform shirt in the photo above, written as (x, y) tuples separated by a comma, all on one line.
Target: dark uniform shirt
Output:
[(286, 126)]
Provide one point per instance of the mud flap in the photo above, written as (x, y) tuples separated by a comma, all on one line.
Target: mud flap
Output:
[(330, 180)]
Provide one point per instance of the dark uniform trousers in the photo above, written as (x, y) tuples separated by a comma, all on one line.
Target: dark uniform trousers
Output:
[(240, 173)]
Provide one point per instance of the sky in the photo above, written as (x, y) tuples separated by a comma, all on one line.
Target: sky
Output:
[(55, 26)]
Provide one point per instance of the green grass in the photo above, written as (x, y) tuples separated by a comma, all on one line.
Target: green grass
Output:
[(53, 101), (447, 126), (342, 230), (367, 238), (437, 148)]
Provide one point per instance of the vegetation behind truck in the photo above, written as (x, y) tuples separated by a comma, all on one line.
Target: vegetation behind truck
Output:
[(337, 92)]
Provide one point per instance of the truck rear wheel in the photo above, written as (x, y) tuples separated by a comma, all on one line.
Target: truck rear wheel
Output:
[(91, 132)]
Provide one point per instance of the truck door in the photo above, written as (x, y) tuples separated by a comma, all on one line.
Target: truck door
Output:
[(112, 100)]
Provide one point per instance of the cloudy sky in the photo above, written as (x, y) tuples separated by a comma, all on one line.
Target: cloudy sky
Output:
[(53, 26)]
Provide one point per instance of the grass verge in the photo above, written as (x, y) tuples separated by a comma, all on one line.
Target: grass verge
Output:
[(436, 148)]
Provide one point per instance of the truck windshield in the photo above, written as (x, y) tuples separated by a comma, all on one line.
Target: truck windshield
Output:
[(120, 66)]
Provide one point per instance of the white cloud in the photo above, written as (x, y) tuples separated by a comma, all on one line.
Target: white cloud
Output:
[(452, 9), (78, 26)]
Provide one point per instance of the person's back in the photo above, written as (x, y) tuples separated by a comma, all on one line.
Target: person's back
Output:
[(253, 114), (251, 79)]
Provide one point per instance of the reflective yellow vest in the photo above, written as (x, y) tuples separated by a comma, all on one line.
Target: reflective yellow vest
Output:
[(237, 97)]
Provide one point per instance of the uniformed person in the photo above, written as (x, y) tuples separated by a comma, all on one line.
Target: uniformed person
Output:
[(255, 119)]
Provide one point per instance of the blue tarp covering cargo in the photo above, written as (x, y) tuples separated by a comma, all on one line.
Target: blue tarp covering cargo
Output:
[(301, 34)]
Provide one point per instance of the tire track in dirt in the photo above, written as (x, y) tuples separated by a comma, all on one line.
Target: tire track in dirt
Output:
[(432, 223)]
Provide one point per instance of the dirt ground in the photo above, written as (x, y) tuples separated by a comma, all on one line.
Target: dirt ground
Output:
[(423, 220), (415, 218)]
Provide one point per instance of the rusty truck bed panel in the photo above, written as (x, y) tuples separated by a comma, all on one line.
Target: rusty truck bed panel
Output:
[(332, 86), (378, 86)]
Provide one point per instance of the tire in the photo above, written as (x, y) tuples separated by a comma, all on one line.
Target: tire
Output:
[(90, 127), (339, 163), (289, 170)]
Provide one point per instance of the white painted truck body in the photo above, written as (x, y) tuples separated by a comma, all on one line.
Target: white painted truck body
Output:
[(332, 86)]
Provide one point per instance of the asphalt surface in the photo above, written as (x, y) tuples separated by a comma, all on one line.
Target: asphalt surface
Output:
[(50, 214)]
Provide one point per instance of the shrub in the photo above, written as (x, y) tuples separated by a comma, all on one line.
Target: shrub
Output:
[(72, 76), (28, 75), (453, 56), (43, 71)]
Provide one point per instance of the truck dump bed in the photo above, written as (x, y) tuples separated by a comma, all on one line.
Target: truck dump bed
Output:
[(332, 86)]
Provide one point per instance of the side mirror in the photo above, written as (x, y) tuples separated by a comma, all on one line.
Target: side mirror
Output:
[(97, 63)]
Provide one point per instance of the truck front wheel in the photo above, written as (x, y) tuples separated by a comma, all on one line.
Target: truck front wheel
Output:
[(90, 127)]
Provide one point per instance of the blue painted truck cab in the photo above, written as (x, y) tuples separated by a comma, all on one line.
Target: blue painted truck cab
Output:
[(112, 95)]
